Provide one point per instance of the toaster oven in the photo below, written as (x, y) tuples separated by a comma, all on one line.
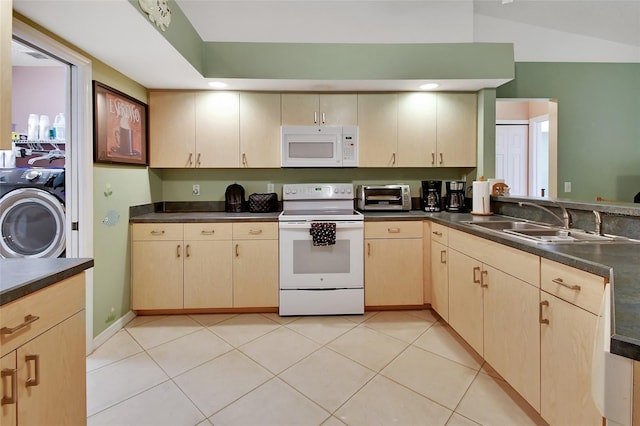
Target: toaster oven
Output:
[(383, 197)]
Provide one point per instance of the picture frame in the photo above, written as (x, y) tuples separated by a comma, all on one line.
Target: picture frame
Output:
[(119, 127)]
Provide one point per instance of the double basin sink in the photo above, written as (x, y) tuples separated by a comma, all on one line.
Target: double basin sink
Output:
[(546, 234)]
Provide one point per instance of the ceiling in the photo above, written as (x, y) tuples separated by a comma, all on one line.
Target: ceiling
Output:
[(114, 32)]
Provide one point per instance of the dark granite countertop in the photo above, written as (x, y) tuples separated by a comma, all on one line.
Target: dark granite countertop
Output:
[(21, 277), (194, 217)]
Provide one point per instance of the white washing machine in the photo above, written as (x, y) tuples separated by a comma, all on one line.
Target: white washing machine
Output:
[(32, 213)]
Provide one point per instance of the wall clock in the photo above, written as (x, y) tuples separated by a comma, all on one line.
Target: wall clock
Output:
[(158, 11)]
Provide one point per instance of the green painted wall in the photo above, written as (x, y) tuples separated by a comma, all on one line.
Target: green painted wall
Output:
[(486, 133), (115, 189), (598, 123)]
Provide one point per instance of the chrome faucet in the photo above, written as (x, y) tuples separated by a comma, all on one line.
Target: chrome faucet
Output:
[(598, 222), (565, 219)]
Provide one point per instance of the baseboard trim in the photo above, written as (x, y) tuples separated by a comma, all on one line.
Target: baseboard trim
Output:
[(112, 329)]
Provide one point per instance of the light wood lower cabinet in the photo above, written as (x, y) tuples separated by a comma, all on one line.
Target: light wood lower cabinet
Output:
[(568, 313), (43, 364), (255, 264), (204, 265), (393, 263), (465, 298), (439, 269), (496, 312)]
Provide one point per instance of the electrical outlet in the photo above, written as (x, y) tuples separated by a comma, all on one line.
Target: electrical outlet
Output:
[(195, 190), (269, 187), (567, 187)]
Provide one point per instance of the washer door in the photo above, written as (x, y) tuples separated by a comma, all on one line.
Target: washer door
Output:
[(32, 224)]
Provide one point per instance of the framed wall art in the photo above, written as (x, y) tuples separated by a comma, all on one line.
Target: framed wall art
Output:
[(119, 127)]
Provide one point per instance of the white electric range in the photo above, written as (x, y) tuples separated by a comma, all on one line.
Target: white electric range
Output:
[(321, 279)]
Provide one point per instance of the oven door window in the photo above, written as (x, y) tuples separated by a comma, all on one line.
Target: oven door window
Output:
[(310, 259), (303, 265)]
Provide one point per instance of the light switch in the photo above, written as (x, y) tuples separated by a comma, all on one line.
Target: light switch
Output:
[(567, 187)]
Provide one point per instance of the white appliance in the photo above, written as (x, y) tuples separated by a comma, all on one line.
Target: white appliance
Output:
[(611, 374), (319, 146), (317, 279)]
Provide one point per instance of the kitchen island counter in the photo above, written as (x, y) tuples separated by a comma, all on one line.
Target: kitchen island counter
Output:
[(21, 277)]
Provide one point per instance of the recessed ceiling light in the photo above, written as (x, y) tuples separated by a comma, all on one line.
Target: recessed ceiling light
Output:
[(217, 84), (429, 86)]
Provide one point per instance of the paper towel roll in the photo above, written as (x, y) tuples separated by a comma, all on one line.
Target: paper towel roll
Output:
[(481, 197)]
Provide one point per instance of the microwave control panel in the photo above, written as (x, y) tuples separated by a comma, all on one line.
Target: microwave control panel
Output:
[(350, 146)]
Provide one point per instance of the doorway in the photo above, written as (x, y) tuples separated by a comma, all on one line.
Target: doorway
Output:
[(78, 151), (526, 146)]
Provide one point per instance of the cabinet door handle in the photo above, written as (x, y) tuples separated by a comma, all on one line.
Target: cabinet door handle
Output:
[(323, 118), (237, 250), (244, 159), (35, 381), (157, 233), (443, 256), (188, 249), (441, 159), (255, 231), (543, 321), (476, 280), (13, 374), (368, 249), (433, 158), (29, 319), (560, 281), (198, 160), (483, 279), (393, 159), (190, 159), (315, 117), (439, 234), (178, 249), (204, 232), (393, 230)]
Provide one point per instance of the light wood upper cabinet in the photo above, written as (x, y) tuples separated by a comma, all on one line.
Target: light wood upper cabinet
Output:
[(172, 129), (378, 129), (457, 129), (217, 129), (393, 263), (417, 130), (308, 109), (259, 130)]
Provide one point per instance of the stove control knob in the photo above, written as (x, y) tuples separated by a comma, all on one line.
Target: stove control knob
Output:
[(349, 190), (335, 190), (342, 191)]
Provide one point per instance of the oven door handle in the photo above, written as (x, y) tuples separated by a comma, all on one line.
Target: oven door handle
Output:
[(347, 224)]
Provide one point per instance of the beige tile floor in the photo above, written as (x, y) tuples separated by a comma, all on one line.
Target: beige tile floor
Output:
[(383, 368)]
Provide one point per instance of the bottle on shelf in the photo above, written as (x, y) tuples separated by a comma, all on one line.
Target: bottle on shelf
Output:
[(59, 126)]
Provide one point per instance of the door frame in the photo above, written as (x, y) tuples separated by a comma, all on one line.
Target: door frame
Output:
[(79, 159)]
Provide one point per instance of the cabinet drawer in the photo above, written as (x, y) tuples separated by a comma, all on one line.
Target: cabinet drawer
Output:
[(518, 263), (439, 233), (207, 231), (51, 306), (255, 231), (156, 231), (581, 288), (400, 229)]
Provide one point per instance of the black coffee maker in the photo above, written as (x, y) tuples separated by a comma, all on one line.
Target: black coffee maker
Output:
[(431, 200), (455, 196)]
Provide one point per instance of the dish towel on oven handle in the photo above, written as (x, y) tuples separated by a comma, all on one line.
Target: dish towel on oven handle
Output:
[(323, 233)]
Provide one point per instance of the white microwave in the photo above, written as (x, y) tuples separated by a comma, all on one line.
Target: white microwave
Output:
[(319, 146)]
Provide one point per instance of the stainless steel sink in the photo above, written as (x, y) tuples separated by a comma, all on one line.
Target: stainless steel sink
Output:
[(546, 234), (508, 225)]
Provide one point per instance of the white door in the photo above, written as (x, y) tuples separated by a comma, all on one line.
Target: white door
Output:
[(511, 157)]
